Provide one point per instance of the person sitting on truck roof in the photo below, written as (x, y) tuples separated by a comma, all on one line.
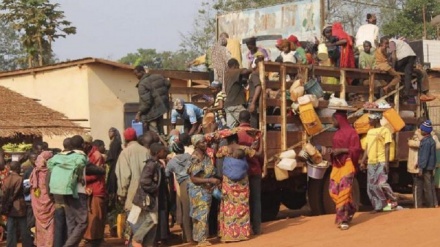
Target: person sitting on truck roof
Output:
[(382, 64), (300, 53), (191, 115), (251, 44), (366, 57), (368, 32), (337, 37)]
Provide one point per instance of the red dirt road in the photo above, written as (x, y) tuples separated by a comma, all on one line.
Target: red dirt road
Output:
[(410, 227), (403, 228)]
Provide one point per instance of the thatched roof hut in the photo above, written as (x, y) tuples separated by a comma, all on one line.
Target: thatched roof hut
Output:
[(22, 116)]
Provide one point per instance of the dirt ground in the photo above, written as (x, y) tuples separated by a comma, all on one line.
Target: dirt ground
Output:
[(408, 227)]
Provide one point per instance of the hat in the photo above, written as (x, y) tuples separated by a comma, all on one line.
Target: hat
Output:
[(87, 138), (216, 84), (197, 138), (178, 104), (294, 39), (426, 126), (375, 115), (130, 134)]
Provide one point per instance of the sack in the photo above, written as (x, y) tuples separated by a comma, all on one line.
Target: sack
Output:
[(310, 119), (362, 124), (289, 154), (235, 169), (296, 93), (394, 119), (280, 174), (287, 164)]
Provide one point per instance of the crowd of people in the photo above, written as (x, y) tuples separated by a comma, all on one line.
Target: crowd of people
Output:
[(206, 177)]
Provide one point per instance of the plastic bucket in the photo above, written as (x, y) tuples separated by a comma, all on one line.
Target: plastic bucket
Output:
[(137, 126), (316, 172), (313, 87), (322, 52)]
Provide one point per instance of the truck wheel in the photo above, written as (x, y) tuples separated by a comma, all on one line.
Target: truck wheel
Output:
[(314, 194), (329, 205), (270, 205), (293, 199)]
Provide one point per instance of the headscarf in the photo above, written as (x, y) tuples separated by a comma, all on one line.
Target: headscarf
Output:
[(346, 59), (178, 104), (345, 137), (294, 39), (195, 139), (40, 163), (116, 135)]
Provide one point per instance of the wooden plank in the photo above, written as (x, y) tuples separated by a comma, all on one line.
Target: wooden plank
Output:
[(323, 139), (402, 144), (283, 109), (411, 120), (331, 87), (182, 75), (343, 82), (277, 120), (273, 138), (189, 90)]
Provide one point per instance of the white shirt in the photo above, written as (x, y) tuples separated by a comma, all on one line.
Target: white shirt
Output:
[(369, 32), (288, 57), (402, 49)]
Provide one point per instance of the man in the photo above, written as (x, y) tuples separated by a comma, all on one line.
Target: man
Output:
[(153, 92), (381, 62), (60, 229), (377, 150), (366, 58), (254, 85), (128, 169), (13, 206), (368, 32), (97, 195), (254, 173), (68, 178), (191, 115), (251, 44), (235, 93)]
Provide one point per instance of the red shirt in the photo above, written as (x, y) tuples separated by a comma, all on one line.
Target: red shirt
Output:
[(255, 163), (96, 183)]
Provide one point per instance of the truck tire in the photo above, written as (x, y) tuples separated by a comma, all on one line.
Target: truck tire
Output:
[(270, 205), (329, 205), (293, 199), (314, 196)]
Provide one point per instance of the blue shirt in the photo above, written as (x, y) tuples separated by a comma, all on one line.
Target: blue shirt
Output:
[(190, 113), (179, 165)]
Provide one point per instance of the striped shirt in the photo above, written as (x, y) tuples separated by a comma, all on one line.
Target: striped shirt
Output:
[(221, 96)]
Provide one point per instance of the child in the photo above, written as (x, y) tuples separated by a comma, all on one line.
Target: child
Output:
[(14, 207), (146, 199), (426, 163), (377, 150), (382, 63), (218, 104), (288, 54)]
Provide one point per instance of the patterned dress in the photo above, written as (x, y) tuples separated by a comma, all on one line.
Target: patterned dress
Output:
[(200, 196), (234, 219)]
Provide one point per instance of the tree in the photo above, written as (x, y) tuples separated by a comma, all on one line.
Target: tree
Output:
[(39, 23), (11, 51), (409, 23), (157, 60)]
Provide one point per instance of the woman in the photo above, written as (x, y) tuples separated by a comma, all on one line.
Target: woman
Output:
[(112, 158), (42, 205), (337, 37), (234, 219), (201, 173), (220, 57), (344, 157)]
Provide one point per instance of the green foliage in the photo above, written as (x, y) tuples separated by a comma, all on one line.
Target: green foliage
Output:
[(12, 54), (409, 22), (39, 23), (157, 60)]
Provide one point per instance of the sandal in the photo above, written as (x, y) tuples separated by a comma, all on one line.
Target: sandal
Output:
[(344, 226)]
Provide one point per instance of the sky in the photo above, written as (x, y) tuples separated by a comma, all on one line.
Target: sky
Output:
[(112, 28)]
